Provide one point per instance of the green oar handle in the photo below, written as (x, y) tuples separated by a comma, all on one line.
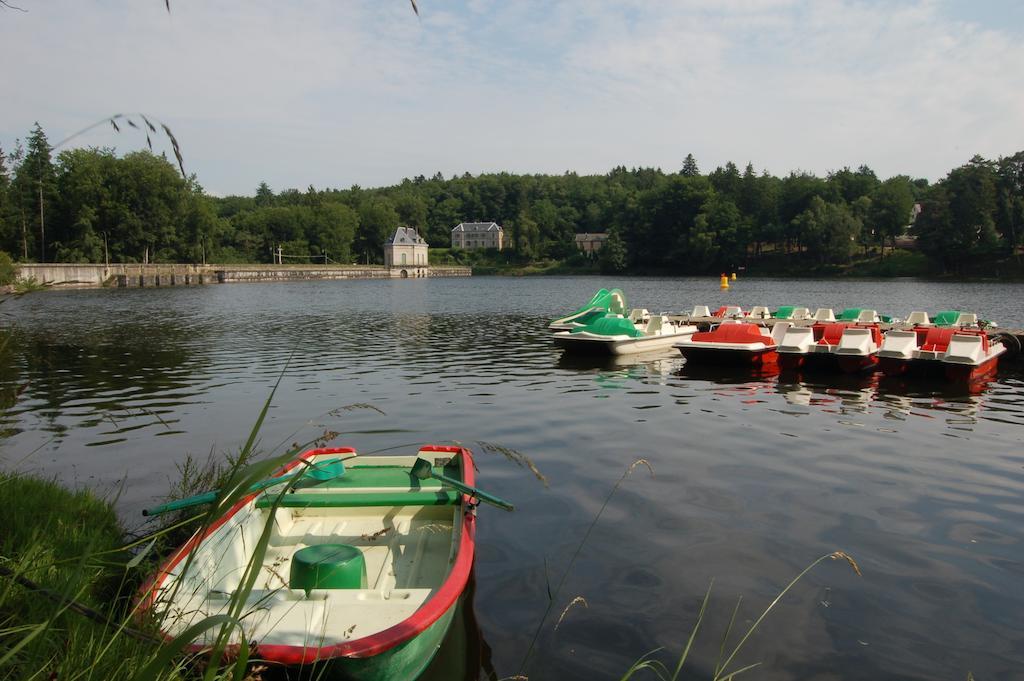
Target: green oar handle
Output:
[(321, 472), (474, 492)]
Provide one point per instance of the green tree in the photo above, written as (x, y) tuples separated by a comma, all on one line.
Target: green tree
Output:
[(6, 209), (719, 238), (525, 235), (81, 219), (412, 210), (1010, 200), (34, 190), (613, 257), (264, 195), (849, 185), (891, 203), (333, 230), (690, 168), (377, 218), (972, 203), (936, 235)]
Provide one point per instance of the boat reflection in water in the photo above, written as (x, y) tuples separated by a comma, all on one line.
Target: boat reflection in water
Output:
[(464, 655), (654, 367), (836, 393)]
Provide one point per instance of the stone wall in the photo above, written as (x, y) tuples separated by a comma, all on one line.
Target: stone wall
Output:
[(64, 275)]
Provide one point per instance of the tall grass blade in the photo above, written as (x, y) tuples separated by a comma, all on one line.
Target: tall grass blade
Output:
[(173, 648), (725, 637), (835, 555), (693, 632)]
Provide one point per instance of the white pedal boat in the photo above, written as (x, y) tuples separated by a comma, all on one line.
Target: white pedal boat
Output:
[(621, 336)]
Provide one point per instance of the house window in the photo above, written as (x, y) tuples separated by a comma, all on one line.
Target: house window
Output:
[(403, 258)]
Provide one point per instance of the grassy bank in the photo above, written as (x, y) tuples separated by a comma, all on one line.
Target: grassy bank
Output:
[(58, 547)]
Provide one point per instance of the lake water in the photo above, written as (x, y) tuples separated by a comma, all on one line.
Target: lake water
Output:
[(753, 478)]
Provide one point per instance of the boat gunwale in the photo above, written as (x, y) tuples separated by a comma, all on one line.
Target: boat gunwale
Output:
[(368, 646)]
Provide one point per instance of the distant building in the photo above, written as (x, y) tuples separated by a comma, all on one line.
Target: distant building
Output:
[(914, 212), (590, 243), (405, 248), (471, 235)]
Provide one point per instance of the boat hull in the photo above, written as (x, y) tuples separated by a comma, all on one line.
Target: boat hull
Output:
[(405, 661), (826, 362), (762, 357), (585, 344)]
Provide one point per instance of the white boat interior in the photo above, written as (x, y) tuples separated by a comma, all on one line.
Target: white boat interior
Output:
[(800, 314), (732, 312), (899, 345), (824, 314), (867, 317), (759, 312), (918, 318), (857, 341), (797, 340), (639, 316), (407, 551), (700, 311), (966, 319), (970, 349)]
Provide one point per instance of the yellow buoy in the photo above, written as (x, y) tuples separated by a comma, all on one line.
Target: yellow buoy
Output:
[(725, 282), (734, 276)]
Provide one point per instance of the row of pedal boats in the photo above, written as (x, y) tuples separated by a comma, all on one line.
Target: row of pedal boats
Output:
[(950, 344)]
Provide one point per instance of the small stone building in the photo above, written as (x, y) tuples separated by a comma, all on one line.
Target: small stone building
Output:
[(405, 248), (473, 235), (590, 243)]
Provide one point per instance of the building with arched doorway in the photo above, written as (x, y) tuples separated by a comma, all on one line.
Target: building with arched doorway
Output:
[(405, 248)]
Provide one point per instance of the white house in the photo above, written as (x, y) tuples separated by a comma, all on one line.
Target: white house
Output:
[(405, 248), (471, 235)]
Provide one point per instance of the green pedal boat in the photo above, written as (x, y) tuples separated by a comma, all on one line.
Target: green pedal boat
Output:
[(362, 572)]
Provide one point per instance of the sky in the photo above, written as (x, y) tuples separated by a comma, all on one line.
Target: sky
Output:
[(332, 93)]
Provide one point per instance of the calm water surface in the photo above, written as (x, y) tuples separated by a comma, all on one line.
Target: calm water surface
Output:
[(753, 478)]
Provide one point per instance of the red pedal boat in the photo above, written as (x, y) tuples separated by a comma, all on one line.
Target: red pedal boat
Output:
[(738, 344)]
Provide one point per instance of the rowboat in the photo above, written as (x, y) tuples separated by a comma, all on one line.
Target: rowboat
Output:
[(602, 303), (362, 573), (734, 343), (621, 336), (830, 346)]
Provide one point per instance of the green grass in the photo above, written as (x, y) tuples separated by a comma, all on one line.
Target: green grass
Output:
[(70, 544), (29, 285)]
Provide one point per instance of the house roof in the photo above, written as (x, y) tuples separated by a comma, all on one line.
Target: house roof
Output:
[(405, 235), (477, 227), (596, 236)]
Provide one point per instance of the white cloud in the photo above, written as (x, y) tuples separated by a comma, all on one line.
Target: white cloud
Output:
[(332, 94)]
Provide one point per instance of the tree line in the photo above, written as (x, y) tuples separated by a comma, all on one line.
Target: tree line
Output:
[(91, 205)]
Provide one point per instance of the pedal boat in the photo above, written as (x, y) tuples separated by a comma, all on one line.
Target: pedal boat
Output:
[(960, 355), (734, 343), (620, 336), (830, 346), (362, 574), (603, 303)]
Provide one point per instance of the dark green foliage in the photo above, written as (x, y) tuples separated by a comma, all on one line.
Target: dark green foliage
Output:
[(613, 257), (89, 205), (7, 270)]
